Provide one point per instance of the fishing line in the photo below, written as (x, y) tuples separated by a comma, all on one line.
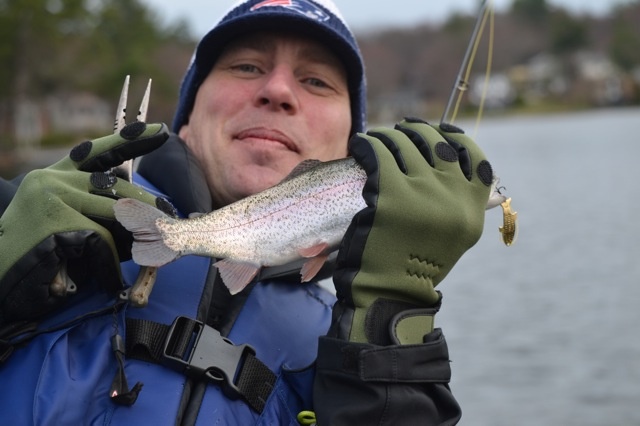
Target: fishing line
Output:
[(463, 84), (485, 87), (462, 81)]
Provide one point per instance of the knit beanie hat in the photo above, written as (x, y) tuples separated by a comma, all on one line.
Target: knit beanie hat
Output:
[(317, 19)]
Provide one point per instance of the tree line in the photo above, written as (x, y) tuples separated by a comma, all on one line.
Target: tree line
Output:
[(423, 62), (65, 46), (57, 46)]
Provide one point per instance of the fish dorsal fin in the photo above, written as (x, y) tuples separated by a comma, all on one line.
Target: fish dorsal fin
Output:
[(302, 167), (236, 275)]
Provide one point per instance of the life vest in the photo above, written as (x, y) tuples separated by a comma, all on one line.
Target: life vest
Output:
[(64, 377)]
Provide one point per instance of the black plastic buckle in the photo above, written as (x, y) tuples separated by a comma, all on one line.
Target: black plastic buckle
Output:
[(200, 351)]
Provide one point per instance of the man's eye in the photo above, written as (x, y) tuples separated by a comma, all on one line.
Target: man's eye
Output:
[(317, 82), (248, 68)]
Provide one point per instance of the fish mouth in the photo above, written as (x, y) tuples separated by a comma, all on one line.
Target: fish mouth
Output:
[(262, 134)]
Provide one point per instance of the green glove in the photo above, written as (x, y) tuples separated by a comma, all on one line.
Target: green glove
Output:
[(61, 219), (426, 192)]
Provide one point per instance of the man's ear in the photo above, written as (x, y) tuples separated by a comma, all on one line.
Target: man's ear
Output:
[(184, 132)]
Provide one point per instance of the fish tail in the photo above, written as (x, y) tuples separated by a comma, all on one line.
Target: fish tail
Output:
[(149, 248)]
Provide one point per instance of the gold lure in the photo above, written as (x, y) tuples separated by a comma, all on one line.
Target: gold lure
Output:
[(509, 228)]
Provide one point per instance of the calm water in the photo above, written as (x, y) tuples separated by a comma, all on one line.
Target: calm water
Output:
[(546, 332)]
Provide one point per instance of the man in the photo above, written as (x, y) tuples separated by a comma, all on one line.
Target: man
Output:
[(263, 109), (272, 84)]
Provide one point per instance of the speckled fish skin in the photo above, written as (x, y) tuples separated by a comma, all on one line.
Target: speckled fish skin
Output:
[(269, 228), (304, 216)]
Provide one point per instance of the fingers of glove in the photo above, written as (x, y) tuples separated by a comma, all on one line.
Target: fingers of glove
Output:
[(108, 185), (110, 188), (382, 159), (391, 149), (463, 153), (361, 149), (444, 156), (134, 140), (102, 213), (473, 161), (100, 210)]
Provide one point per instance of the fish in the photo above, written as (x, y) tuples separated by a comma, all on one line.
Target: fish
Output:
[(304, 216)]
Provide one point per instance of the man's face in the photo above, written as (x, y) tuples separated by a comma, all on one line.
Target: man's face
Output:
[(270, 101)]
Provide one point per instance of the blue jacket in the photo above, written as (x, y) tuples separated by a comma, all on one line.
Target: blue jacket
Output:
[(67, 374), (64, 377)]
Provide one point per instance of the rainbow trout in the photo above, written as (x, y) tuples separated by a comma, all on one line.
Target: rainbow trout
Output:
[(304, 216)]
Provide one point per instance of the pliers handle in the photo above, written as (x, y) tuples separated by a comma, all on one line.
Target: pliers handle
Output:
[(138, 294)]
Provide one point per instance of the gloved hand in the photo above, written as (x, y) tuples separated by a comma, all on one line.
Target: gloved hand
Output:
[(426, 192), (61, 220)]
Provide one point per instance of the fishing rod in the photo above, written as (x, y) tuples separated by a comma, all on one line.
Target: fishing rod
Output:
[(509, 228), (461, 84)]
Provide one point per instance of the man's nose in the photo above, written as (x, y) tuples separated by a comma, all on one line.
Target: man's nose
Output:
[(279, 91)]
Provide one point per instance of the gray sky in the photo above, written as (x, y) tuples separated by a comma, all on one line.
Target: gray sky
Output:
[(363, 14)]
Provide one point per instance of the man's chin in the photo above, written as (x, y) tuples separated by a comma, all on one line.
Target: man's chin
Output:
[(260, 179)]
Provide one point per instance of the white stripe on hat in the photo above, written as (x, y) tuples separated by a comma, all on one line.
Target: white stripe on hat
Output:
[(327, 4)]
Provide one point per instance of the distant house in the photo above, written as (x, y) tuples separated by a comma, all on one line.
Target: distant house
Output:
[(28, 126), (599, 78), (540, 77), (73, 114), (78, 113), (635, 75), (496, 91)]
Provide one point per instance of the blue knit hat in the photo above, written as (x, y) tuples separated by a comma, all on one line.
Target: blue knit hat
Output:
[(318, 19)]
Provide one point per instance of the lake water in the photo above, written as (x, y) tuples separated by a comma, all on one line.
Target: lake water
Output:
[(546, 332)]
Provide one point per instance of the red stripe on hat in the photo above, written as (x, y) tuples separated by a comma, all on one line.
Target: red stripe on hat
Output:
[(271, 3)]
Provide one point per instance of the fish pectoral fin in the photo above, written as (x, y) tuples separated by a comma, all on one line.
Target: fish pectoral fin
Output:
[(236, 275), (314, 251), (312, 266), (317, 255)]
